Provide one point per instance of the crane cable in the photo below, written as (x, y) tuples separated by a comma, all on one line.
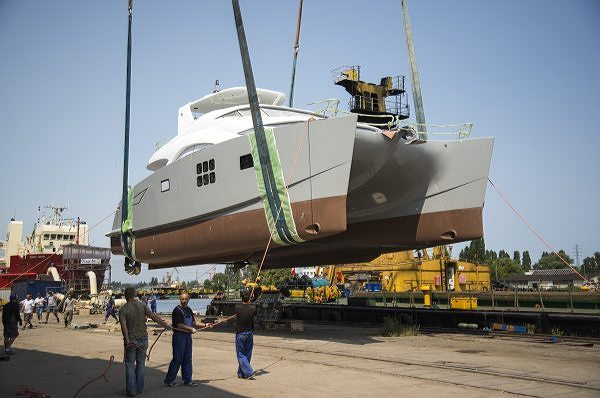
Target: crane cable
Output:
[(536, 233), (127, 239)]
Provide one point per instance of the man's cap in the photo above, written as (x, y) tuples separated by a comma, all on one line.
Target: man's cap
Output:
[(12, 296)]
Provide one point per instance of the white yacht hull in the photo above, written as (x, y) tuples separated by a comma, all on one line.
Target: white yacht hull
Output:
[(354, 193)]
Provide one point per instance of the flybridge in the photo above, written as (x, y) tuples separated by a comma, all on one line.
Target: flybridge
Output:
[(221, 100)]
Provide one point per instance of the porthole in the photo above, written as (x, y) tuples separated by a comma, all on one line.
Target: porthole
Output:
[(246, 162)]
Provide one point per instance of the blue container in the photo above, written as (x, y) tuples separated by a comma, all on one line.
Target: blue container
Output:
[(373, 287), (33, 287)]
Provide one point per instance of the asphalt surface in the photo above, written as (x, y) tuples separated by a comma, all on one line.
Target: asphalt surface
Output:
[(322, 360)]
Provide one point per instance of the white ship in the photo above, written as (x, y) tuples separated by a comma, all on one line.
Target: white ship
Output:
[(335, 189)]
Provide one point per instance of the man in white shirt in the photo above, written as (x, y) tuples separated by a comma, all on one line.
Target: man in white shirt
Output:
[(39, 306), (27, 305)]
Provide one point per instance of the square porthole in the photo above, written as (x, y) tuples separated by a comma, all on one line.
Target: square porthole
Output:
[(211, 164), (199, 168), (205, 166), (246, 162), (205, 179), (199, 181), (165, 185), (212, 178)]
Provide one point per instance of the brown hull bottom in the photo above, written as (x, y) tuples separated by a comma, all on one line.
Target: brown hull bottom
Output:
[(244, 237)]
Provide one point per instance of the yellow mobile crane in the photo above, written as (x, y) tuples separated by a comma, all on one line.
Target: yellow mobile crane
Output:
[(404, 271)]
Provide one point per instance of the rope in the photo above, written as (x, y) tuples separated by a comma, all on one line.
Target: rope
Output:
[(306, 131), (103, 375), (25, 391), (536, 232)]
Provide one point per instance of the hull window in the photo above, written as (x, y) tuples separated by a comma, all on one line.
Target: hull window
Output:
[(246, 162), (205, 171), (165, 185)]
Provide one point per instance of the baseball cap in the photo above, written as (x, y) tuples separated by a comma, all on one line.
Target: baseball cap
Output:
[(12, 296)]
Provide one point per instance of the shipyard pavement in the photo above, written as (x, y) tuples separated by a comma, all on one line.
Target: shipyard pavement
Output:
[(320, 361)]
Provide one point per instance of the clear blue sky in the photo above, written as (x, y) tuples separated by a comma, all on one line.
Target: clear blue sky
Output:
[(523, 71)]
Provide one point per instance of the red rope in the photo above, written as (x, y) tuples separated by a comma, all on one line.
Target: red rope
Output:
[(293, 171), (24, 391), (536, 232), (103, 375)]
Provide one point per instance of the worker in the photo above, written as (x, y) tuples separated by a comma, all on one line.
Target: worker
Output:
[(132, 317), (68, 307), (28, 309), (110, 309), (153, 302), (52, 306), (184, 326), (39, 303), (244, 335), (10, 317)]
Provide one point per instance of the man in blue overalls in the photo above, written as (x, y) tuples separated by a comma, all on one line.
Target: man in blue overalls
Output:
[(183, 319)]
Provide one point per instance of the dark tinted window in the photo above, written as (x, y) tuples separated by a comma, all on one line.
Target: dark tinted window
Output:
[(246, 162)]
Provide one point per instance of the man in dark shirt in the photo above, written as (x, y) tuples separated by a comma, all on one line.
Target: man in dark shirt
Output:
[(244, 335), (10, 318), (132, 317), (184, 325)]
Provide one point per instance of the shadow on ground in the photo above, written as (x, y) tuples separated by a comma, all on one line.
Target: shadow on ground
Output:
[(316, 331), (60, 376)]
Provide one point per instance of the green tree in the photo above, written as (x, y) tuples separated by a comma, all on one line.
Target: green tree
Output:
[(526, 261), (503, 254), (208, 285), (219, 281), (276, 276), (552, 261), (475, 252), (153, 281), (490, 255), (591, 265), (517, 257), (503, 267)]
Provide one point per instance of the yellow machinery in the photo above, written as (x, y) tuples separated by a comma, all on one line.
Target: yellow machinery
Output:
[(403, 271)]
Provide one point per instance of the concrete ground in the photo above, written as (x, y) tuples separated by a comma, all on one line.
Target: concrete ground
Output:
[(321, 360)]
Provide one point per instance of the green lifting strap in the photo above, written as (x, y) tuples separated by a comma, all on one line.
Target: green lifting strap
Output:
[(280, 219), (127, 225)]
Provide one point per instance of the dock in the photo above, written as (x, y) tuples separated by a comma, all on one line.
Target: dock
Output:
[(322, 359)]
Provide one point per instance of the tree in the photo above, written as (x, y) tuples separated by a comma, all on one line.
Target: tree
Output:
[(552, 261), (503, 254), (526, 261), (490, 255), (475, 252), (591, 265), (503, 267), (517, 257), (276, 276), (219, 281), (153, 281)]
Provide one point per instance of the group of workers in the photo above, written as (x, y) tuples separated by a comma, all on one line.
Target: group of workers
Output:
[(132, 317), (11, 314)]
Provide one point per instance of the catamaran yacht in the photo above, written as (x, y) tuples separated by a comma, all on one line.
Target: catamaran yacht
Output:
[(346, 188)]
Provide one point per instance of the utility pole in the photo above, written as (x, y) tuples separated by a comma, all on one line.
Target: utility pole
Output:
[(577, 251)]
